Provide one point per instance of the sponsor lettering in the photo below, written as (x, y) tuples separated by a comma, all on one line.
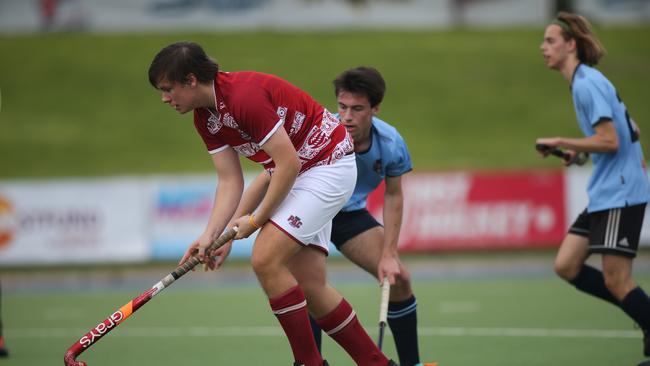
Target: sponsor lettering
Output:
[(101, 329), (478, 210)]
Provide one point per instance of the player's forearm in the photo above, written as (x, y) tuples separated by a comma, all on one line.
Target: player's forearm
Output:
[(253, 195), (282, 180), (393, 211), (229, 192), (604, 140), (595, 143)]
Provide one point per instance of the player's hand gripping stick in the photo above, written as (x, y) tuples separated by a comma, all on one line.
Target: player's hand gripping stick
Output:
[(383, 311), (578, 159)]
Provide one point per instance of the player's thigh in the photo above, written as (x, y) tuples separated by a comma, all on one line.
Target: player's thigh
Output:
[(365, 249), (572, 254), (273, 248), (309, 269)]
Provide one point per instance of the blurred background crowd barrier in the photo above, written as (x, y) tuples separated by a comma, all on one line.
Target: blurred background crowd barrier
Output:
[(139, 219), (164, 15)]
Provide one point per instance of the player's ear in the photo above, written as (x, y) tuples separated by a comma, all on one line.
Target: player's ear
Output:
[(191, 80), (375, 109), (573, 46)]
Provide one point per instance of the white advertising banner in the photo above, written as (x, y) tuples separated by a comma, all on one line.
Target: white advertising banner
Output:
[(180, 209), (69, 221), (155, 218)]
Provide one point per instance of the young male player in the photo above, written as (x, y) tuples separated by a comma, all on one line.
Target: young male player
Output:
[(618, 189), (381, 155), (309, 173)]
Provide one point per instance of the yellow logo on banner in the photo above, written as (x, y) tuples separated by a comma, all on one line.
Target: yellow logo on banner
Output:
[(7, 222)]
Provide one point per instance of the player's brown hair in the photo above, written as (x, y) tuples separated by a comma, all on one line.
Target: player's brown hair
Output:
[(577, 27), (362, 80), (178, 60)]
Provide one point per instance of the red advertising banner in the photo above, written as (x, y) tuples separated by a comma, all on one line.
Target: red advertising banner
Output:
[(475, 210)]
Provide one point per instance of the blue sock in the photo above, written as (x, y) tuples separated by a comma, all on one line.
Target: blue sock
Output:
[(402, 319), (637, 306), (591, 281)]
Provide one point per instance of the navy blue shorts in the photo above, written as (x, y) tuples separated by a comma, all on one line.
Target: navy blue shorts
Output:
[(613, 231), (347, 225)]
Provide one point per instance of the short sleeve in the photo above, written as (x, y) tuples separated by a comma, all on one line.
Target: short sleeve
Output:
[(203, 124), (400, 161), (592, 101)]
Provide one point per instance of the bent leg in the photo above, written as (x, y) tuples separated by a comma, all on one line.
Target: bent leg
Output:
[(569, 265), (311, 275), (618, 278), (271, 254), (332, 312), (571, 256), (365, 250), (634, 301)]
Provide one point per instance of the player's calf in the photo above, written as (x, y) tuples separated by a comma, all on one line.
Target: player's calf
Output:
[(343, 326)]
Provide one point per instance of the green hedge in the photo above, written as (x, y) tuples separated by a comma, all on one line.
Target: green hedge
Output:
[(80, 104)]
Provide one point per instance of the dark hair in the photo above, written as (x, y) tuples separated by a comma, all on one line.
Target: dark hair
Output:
[(362, 80), (575, 26), (176, 61)]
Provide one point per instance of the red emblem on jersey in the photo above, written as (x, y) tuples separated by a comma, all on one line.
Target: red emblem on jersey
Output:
[(294, 221), (318, 140)]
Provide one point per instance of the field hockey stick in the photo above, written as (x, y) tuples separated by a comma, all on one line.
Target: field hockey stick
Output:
[(383, 311), (125, 311), (579, 159), (553, 151)]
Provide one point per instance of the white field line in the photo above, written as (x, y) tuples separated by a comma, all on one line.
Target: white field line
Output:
[(163, 332)]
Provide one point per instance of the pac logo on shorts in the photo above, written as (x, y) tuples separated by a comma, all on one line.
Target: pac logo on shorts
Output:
[(294, 221)]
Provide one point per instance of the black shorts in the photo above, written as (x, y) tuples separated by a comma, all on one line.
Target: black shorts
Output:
[(613, 231), (347, 225)]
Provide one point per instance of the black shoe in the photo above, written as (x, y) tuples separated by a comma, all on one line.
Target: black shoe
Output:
[(302, 364), (644, 363), (392, 363)]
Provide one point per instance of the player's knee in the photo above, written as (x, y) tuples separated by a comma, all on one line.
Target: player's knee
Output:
[(615, 283), (403, 280), (262, 265), (312, 286), (402, 286), (566, 269)]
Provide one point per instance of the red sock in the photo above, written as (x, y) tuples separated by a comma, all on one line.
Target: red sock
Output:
[(291, 310), (342, 325)]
